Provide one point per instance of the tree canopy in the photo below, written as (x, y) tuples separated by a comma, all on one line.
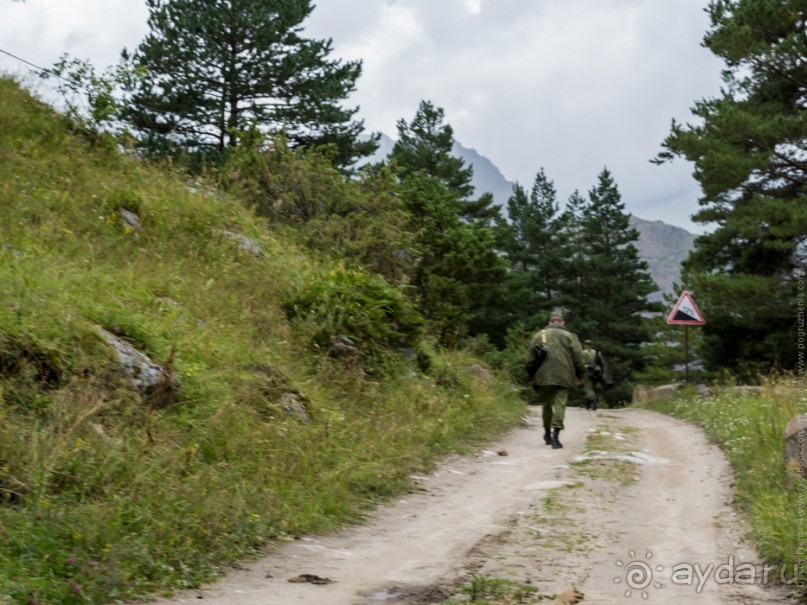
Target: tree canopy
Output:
[(425, 145), (214, 68), (457, 271), (531, 239), (609, 296), (749, 150)]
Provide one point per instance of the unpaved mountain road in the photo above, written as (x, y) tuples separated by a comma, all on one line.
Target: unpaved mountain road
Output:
[(635, 507)]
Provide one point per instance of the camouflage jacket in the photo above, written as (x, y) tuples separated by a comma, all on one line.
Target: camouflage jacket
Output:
[(564, 363)]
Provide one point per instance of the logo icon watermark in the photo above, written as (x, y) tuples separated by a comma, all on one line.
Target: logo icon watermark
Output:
[(638, 574)]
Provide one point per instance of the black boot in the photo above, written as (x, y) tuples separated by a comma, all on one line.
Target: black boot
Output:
[(595, 404), (547, 437), (555, 443)]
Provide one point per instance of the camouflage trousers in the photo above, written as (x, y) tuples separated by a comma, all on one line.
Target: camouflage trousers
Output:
[(590, 393), (553, 399)]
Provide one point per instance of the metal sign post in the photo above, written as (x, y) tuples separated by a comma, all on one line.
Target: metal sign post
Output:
[(687, 314), (686, 353)]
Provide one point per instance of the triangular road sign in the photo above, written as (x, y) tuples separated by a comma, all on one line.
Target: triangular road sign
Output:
[(685, 311)]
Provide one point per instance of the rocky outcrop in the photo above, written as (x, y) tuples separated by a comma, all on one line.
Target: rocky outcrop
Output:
[(244, 243), (155, 384)]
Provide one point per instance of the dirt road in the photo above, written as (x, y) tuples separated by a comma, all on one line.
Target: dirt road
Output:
[(634, 507)]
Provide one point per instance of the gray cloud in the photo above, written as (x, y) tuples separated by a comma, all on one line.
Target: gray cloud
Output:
[(570, 86)]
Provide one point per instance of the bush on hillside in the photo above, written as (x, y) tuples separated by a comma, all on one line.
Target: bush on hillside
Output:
[(361, 306), (357, 220)]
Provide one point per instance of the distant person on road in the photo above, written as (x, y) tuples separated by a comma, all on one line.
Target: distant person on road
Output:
[(594, 370), (596, 373), (554, 374)]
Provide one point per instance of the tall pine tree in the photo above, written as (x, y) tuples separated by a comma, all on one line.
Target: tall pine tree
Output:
[(609, 299), (533, 243), (749, 149), (425, 145), (216, 67), (457, 270)]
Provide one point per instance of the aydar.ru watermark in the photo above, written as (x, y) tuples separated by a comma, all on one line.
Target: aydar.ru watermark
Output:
[(640, 577)]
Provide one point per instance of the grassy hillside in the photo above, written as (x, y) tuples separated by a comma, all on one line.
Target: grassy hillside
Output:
[(106, 496)]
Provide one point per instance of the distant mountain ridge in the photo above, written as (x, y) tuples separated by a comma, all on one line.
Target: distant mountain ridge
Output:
[(663, 246)]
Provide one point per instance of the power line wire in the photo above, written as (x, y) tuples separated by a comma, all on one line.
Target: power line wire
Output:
[(37, 67), (51, 73)]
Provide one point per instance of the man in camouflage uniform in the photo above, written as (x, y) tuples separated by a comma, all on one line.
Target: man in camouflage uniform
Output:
[(593, 374), (561, 371)]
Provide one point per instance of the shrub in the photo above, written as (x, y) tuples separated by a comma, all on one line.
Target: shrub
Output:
[(359, 305)]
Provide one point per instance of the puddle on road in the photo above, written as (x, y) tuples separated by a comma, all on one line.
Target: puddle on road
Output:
[(635, 457)]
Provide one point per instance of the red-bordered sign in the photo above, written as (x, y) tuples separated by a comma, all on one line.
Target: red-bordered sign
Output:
[(685, 312)]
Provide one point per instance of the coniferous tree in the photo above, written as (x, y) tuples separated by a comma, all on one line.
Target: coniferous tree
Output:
[(456, 265), (457, 269), (216, 67), (425, 145), (532, 241), (749, 150), (612, 283), (572, 238)]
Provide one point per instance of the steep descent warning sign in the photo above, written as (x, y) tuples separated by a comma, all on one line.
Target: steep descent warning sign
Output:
[(685, 311)]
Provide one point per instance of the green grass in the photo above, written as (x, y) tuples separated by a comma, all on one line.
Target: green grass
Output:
[(750, 429), (105, 497), (485, 590)]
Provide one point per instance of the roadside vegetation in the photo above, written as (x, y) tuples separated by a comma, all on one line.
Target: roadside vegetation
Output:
[(750, 429), (105, 495)]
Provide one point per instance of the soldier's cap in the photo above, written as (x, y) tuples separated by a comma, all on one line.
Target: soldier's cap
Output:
[(587, 342), (557, 312)]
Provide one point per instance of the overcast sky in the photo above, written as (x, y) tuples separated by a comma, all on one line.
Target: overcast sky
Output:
[(570, 86)]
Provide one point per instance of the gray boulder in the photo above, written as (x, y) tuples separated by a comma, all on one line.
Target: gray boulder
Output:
[(244, 243), (343, 345), (478, 370), (665, 391), (129, 219), (295, 405), (153, 382), (642, 393)]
